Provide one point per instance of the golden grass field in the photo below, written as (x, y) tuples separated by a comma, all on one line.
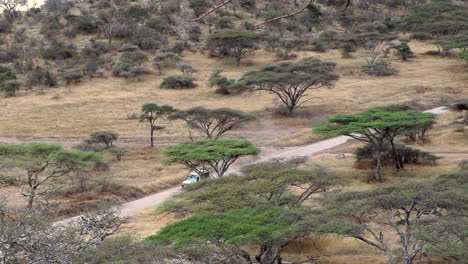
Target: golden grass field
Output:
[(104, 103)]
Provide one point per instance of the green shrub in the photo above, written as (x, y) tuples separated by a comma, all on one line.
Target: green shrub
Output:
[(41, 76), (72, 76), (364, 156), (379, 68), (134, 57), (319, 46), (178, 82), (11, 86), (58, 53), (128, 47), (421, 36), (223, 23)]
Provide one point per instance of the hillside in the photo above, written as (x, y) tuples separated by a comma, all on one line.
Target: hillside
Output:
[(104, 102)]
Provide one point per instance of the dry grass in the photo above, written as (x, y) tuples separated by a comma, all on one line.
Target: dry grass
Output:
[(100, 104)]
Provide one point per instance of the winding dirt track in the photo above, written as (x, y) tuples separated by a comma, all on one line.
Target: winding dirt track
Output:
[(154, 200)]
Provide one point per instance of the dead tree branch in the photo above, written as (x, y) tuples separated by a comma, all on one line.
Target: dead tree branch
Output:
[(211, 10)]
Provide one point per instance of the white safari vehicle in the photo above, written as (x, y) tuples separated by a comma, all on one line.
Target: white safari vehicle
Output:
[(193, 177)]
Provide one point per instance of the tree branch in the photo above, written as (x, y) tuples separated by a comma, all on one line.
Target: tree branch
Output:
[(286, 16), (211, 10)]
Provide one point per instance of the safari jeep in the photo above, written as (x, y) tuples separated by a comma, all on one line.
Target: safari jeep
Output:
[(193, 177)]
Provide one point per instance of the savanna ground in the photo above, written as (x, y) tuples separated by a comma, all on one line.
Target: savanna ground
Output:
[(105, 103)]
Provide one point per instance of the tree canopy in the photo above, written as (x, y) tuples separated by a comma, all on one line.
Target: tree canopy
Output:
[(411, 209), (43, 161), (237, 43), (151, 112), (212, 123), (291, 81), (376, 126), (217, 155)]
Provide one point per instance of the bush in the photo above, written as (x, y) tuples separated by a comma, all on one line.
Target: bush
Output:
[(365, 158), (72, 76), (186, 69), (168, 58), (319, 46), (11, 86), (41, 76), (5, 77), (134, 57), (223, 23), (347, 48), (158, 24), (178, 82), (226, 86), (379, 68), (5, 26), (58, 53), (421, 36), (85, 23), (88, 147), (147, 38), (9, 55), (105, 138), (128, 47)]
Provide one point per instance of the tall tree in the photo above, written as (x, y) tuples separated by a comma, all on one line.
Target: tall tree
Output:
[(291, 81), (43, 162), (409, 209), (273, 228), (151, 112), (217, 155), (236, 43), (212, 123), (376, 127)]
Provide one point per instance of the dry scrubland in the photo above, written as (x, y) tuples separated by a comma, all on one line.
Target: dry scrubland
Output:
[(105, 103)]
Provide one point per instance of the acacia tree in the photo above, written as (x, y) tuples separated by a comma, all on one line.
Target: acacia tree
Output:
[(376, 127), (217, 155), (263, 207), (212, 123), (102, 137), (409, 209), (151, 112), (275, 227), (43, 162), (236, 43), (291, 81)]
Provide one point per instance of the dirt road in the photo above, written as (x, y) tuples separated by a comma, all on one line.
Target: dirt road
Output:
[(154, 200)]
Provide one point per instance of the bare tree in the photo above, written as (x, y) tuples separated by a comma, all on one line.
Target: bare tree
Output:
[(25, 237), (10, 6)]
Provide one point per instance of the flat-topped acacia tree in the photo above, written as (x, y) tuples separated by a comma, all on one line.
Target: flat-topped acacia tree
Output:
[(237, 43), (410, 210), (376, 127), (212, 123), (43, 162), (291, 81), (151, 112), (217, 155)]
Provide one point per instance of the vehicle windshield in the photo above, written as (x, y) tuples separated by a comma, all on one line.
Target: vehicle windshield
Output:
[(191, 177)]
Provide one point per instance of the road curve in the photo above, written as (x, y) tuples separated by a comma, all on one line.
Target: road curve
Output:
[(154, 200)]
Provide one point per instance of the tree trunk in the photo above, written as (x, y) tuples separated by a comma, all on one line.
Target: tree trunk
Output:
[(378, 173), (238, 60), (152, 137), (398, 159), (31, 199)]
